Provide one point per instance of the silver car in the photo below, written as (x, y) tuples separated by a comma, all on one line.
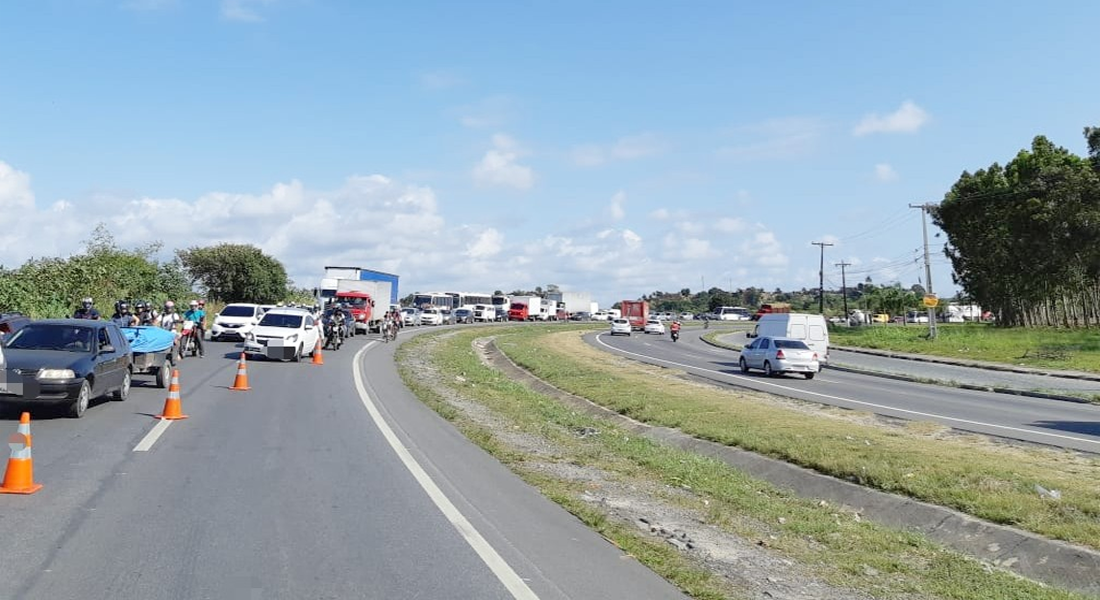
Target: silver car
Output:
[(620, 326), (775, 355)]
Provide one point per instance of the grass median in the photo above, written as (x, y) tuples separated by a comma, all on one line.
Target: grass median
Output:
[(1069, 349), (841, 548)]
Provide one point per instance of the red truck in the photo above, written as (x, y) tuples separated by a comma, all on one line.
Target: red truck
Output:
[(635, 311), (767, 309), (360, 305)]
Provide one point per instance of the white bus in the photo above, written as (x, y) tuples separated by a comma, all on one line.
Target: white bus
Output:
[(424, 300), (469, 299)]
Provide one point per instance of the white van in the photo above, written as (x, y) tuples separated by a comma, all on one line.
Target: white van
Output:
[(799, 326)]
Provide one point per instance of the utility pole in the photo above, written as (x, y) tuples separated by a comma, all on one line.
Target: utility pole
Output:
[(844, 285), (821, 278), (927, 266)]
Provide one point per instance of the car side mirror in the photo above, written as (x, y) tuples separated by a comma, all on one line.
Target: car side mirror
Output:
[(309, 327), (106, 349)]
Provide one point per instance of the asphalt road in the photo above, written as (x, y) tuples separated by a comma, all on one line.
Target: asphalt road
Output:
[(1044, 421), (321, 482)]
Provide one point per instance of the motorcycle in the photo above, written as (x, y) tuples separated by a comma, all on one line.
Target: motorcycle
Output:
[(675, 334), (187, 339), (333, 335)]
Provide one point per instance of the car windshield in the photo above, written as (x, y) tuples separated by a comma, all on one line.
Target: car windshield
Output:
[(353, 302), (238, 311), (281, 320), (41, 336), (791, 344)]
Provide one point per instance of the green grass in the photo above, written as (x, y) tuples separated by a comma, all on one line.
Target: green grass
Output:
[(844, 551), (994, 483), (1072, 349)]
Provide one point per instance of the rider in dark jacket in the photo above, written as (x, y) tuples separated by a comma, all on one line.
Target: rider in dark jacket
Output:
[(86, 310)]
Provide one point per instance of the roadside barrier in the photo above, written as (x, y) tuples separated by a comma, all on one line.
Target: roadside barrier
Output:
[(173, 405), (240, 382), (317, 358), (19, 474)]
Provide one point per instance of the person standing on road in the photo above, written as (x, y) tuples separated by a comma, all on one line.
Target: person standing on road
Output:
[(86, 310), (196, 315)]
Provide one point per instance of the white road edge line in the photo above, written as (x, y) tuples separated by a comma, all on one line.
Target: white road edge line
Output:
[(842, 399), (503, 571), (154, 434)]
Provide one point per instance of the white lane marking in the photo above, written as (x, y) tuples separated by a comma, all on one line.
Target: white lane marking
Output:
[(503, 571), (842, 399), (154, 434)]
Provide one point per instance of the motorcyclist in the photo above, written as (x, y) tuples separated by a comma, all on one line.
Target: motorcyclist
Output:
[(86, 310), (675, 328), (123, 317), (340, 317), (145, 315), (196, 315), (169, 318)]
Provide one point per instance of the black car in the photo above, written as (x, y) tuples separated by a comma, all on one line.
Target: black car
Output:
[(463, 315), (11, 322), (66, 362)]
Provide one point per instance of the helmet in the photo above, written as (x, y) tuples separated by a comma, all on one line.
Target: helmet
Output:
[(87, 302), (122, 307), (193, 303), (140, 305), (169, 305)]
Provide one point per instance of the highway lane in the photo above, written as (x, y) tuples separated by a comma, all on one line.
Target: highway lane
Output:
[(1043, 421), (291, 490)]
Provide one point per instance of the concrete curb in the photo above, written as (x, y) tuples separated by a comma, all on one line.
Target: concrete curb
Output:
[(1020, 552), (975, 364), (965, 386)]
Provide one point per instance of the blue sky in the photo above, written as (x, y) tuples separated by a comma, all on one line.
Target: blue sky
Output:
[(615, 147)]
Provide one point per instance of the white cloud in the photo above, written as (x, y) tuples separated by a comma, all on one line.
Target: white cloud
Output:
[(774, 139), (494, 111), (631, 147), (499, 167), (486, 245), (617, 208), (730, 225), (244, 10), (15, 191), (885, 173), (908, 118), (762, 249), (440, 80)]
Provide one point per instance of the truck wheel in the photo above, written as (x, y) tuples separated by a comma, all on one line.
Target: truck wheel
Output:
[(163, 375)]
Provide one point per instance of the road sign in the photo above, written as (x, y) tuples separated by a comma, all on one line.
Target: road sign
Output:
[(931, 301)]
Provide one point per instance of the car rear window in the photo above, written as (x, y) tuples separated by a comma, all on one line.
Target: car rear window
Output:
[(791, 344), (238, 311)]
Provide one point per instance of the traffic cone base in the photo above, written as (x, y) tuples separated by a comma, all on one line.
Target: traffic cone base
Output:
[(317, 358), (240, 382), (19, 474), (173, 405)]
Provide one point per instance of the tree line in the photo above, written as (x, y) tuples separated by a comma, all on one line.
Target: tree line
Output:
[(53, 287), (1024, 238)]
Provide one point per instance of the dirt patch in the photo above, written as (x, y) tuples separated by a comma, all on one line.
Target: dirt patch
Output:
[(748, 566)]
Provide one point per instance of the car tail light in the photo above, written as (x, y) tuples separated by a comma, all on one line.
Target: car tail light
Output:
[(779, 355), (815, 355)]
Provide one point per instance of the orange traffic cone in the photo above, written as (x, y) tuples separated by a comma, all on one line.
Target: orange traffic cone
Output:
[(317, 358), (240, 383), (19, 476), (173, 405)]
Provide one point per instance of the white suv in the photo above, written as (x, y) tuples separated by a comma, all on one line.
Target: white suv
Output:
[(235, 321)]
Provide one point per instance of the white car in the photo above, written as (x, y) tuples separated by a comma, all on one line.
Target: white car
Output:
[(410, 316), (235, 321), (620, 326), (283, 334), (775, 355), (654, 326), (431, 316)]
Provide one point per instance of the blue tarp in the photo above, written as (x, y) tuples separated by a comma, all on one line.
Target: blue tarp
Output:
[(148, 339)]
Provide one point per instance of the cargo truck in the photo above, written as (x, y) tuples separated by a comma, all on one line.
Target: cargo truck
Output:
[(636, 311), (528, 308)]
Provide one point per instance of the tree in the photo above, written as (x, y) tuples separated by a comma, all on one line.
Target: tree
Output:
[(236, 273)]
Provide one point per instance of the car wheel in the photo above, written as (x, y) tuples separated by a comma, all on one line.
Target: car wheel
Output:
[(810, 375), (123, 392), (768, 372), (83, 397), (297, 354), (744, 365)]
